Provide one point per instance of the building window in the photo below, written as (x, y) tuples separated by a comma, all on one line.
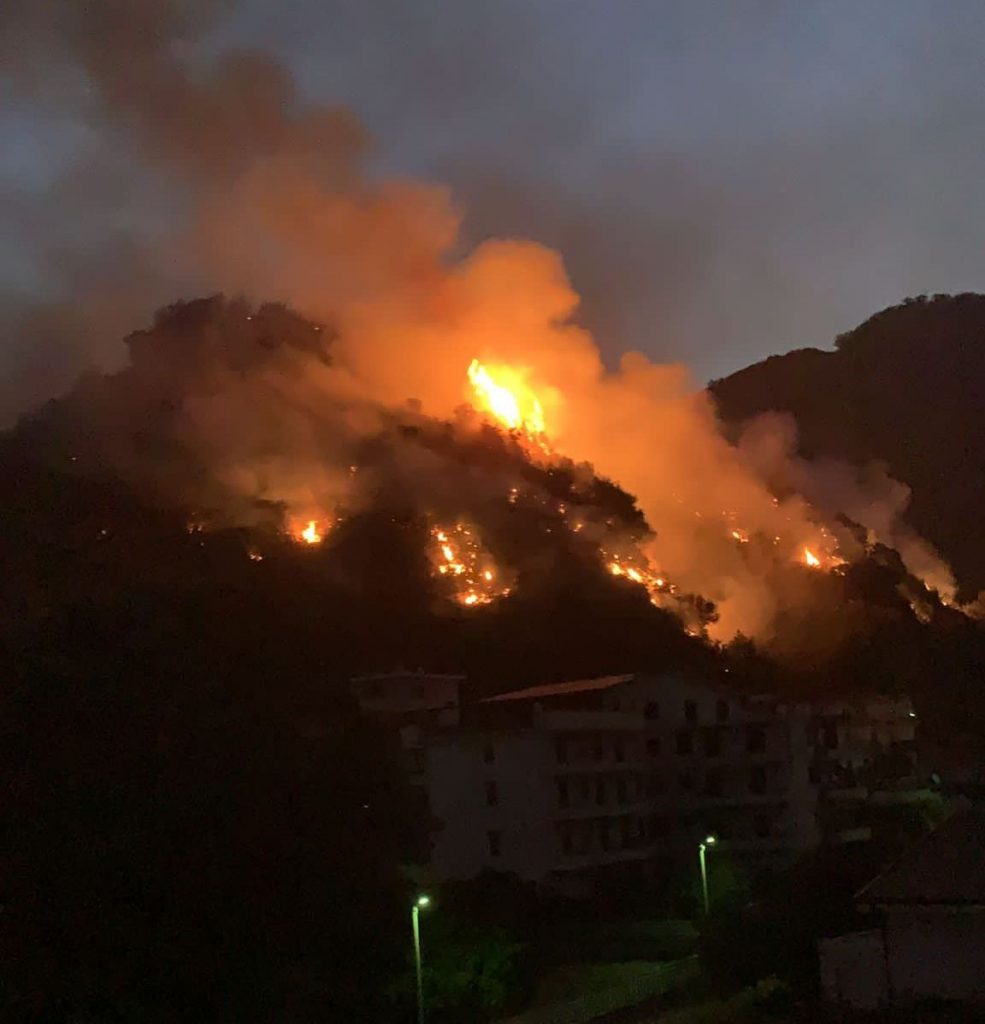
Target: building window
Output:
[(761, 826), (653, 746), (690, 711), (567, 843), (585, 789), (651, 710), (604, 836), (686, 781), (656, 826), (597, 748), (619, 750), (600, 792), (757, 779), (494, 839), (722, 711), (620, 791), (714, 784), (420, 690), (713, 743), (685, 742), (755, 739), (488, 753), (492, 794), (561, 750), (831, 735), (654, 784), (562, 792)]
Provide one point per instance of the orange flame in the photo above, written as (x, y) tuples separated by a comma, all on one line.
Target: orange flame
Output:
[(811, 559), (310, 534), (511, 402), (458, 556)]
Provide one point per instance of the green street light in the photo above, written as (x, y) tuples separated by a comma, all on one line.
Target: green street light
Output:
[(702, 846), (423, 900)]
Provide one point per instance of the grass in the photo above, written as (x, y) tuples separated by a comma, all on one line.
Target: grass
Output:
[(579, 993)]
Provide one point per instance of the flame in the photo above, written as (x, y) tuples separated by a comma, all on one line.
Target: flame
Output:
[(457, 555), (811, 559), (514, 404), (641, 574)]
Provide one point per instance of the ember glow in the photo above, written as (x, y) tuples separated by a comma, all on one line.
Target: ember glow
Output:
[(458, 556), (503, 393), (638, 571)]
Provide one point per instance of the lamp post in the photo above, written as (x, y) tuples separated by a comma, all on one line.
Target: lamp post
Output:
[(415, 918), (702, 846)]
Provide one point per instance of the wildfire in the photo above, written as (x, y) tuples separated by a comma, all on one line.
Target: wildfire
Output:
[(308, 531), (811, 559), (505, 395), (458, 556), (655, 585)]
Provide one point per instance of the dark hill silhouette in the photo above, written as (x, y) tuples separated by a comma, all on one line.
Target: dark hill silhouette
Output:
[(906, 387)]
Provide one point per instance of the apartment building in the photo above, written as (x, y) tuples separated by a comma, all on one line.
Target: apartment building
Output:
[(585, 775), (866, 766), (614, 774), (415, 705)]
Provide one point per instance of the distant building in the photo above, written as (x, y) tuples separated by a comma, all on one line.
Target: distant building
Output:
[(866, 766), (613, 774), (931, 939), (581, 776), (415, 704)]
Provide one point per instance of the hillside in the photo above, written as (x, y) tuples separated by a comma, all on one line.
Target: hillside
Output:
[(906, 387)]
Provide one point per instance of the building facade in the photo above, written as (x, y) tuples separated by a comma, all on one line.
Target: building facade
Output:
[(616, 773)]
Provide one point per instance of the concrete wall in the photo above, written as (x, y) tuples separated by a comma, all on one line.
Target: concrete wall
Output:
[(523, 817), (853, 970), (936, 954)]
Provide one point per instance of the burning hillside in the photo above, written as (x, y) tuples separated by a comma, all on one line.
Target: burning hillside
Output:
[(422, 380), (251, 430)]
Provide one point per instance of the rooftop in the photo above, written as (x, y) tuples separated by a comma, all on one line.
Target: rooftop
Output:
[(946, 868), (560, 689)]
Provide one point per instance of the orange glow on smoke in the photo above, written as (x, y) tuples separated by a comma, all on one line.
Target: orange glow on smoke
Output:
[(503, 393)]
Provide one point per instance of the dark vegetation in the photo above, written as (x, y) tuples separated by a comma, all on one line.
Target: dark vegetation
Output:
[(907, 387), (198, 826)]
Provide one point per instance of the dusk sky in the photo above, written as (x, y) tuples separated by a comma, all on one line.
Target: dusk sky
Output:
[(724, 180)]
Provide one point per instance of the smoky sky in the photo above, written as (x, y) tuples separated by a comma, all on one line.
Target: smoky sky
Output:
[(724, 180)]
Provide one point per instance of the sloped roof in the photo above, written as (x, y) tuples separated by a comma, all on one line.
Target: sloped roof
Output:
[(560, 689), (946, 868)]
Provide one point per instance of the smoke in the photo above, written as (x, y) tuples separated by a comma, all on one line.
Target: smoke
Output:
[(261, 195)]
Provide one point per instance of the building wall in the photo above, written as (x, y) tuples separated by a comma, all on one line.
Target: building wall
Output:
[(936, 954), (509, 827), (853, 970), (406, 693)]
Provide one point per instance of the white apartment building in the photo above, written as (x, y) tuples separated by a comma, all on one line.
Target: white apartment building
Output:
[(612, 774), (577, 776)]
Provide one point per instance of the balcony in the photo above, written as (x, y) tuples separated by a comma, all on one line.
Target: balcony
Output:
[(589, 721)]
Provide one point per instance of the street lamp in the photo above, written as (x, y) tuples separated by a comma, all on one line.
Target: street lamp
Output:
[(415, 919), (702, 846)]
